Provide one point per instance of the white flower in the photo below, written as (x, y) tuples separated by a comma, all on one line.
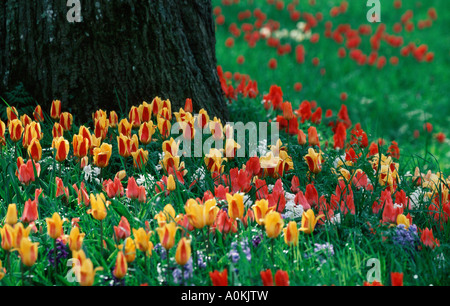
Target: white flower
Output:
[(293, 211), (91, 173)]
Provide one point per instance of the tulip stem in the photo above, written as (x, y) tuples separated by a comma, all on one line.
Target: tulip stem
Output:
[(101, 237), (8, 263), (168, 264), (272, 251), (21, 269), (54, 256)]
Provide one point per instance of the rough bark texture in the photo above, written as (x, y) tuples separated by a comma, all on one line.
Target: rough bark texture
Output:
[(133, 49)]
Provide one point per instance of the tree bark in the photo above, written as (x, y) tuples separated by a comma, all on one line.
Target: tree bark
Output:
[(122, 50)]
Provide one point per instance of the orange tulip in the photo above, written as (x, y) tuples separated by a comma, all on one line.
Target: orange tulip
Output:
[(55, 111), (62, 148), (30, 211), (313, 138), (123, 230)]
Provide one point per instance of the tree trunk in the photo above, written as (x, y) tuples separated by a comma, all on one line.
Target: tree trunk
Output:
[(122, 50)]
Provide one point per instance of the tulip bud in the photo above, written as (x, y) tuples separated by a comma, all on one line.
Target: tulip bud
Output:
[(120, 270), (62, 148), (28, 252), (273, 224), (11, 215), (15, 130), (55, 111), (54, 226), (183, 252), (291, 234)]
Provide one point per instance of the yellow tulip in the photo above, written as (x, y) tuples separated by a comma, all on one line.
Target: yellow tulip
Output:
[(261, 209), (291, 234), (167, 215), (309, 221), (98, 208), (235, 206), (167, 235), (75, 239), (129, 250), (402, 219), (201, 215), (54, 226), (11, 215), (142, 239), (28, 252), (273, 224), (171, 186), (2, 271), (183, 252), (87, 273), (19, 233)]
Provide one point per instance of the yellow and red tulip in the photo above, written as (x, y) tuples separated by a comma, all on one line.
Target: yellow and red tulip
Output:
[(35, 150), (146, 132), (167, 235), (309, 221), (134, 117), (121, 267), (261, 209), (101, 125), (140, 158), (87, 273), (54, 226), (38, 114), (314, 161), (15, 130), (2, 133), (80, 146), (11, 113), (145, 112), (291, 234), (166, 215), (201, 215), (235, 206), (113, 119), (66, 120), (183, 252), (164, 127), (28, 252), (55, 110), (102, 155), (7, 234), (57, 130), (62, 148), (125, 128), (76, 239)]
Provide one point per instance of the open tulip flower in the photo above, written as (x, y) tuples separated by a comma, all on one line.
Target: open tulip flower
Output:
[(314, 161), (102, 155), (309, 221)]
